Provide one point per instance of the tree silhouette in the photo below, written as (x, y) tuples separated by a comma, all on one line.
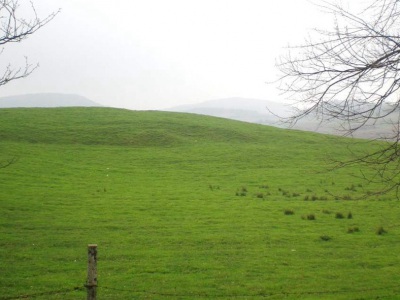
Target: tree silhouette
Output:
[(351, 74), (15, 28)]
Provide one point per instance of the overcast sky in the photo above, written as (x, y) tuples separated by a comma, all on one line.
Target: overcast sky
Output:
[(155, 54)]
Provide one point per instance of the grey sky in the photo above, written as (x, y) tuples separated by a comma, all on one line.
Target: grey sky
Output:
[(154, 54)]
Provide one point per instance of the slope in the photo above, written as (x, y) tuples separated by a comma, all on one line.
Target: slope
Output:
[(185, 206)]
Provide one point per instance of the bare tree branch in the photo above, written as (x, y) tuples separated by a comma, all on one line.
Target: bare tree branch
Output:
[(14, 29), (351, 74)]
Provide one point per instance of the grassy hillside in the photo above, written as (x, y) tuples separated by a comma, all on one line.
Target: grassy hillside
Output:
[(185, 206)]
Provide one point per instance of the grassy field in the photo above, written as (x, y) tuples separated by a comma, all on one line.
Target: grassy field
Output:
[(187, 207)]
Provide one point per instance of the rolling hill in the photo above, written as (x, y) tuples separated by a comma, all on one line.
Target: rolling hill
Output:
[(187, 206)]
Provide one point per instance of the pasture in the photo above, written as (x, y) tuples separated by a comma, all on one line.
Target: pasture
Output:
[(187, 207)]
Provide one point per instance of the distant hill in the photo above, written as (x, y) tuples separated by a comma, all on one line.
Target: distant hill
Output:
[(241, 109), (272, 113), (46, 100)]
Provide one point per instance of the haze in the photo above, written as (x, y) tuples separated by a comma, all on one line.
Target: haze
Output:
[(156, 54)]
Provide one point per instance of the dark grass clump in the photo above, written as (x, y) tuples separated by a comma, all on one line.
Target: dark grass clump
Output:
[(310, 217), (288, 212), (339, 215), (260, 195), (380, 231), (353, 229), (242, 192), (325, 238)]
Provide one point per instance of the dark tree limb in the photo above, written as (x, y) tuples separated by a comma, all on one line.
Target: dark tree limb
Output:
[(14, 29), (351, 74)]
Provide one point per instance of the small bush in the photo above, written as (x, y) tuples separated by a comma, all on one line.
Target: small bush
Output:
[(308, 191), (314, 197), (295, 194), (325, 237), (327, 212), (353, 229), (347, 197), (339, 215), (350, 215), (380, 230), (306, 198), (288, 212)]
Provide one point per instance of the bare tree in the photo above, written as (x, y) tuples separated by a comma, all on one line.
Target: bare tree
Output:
[(15, 28), (352, 74)]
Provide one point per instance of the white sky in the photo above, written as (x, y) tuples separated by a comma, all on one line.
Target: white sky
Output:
[(154, 54)]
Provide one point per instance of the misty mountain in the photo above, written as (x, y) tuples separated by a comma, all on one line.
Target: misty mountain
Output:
[(268, 113), (241, 109), (46, 100)]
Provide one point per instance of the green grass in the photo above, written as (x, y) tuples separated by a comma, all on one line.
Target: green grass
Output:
[(158, 192)]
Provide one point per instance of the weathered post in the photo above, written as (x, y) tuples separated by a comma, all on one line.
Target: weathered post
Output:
[(91, 283)]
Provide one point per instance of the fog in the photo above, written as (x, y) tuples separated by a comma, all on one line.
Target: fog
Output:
[(155, 54)]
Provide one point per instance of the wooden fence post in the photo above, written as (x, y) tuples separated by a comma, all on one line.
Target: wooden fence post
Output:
[(91, 283)]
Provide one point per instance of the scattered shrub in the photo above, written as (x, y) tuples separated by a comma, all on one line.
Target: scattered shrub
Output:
[(349, 215), (325, 211), (314, 197), (353, 229), (339, 215), (289, 212), (306, 198), (380, 230), (325, 237), (295, 194), (260, 195), (308, 191), (347, 197)]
